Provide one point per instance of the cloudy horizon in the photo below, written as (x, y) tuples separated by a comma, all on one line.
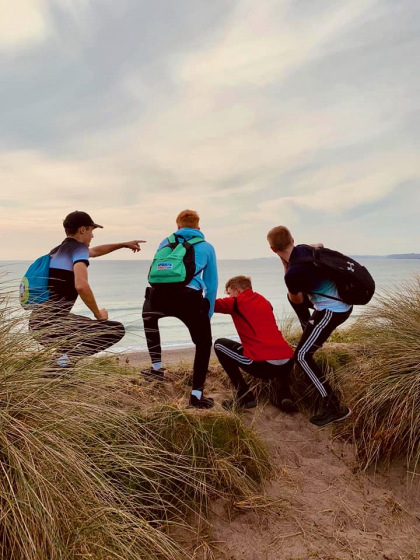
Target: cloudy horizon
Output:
[(254, 114)]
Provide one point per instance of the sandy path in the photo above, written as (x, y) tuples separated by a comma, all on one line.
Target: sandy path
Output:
[(170, 356), (322, 507), (318, 505)]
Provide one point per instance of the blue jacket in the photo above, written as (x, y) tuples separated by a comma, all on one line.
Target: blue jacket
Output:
[(205, 260)]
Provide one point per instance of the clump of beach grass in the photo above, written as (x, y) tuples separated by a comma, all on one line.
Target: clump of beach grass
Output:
[(93, 470), (384, 382)]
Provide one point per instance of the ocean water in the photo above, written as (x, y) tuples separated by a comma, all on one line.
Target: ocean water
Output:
[(119, 287)]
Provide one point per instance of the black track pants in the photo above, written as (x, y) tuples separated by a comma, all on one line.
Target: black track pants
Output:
[(189, 306), (74, 335), (317, 330), (231, 356)]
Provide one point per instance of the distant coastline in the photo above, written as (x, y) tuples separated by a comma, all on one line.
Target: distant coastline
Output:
[(410, 256), (404, 256)]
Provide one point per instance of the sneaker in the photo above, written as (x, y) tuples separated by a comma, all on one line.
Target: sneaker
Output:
[(151, 374), (245, 401), (64, 361), (330, 415), (204, 402), (287, 405)]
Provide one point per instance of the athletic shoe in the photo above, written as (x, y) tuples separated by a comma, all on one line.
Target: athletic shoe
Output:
[(330, 415), (287, 405), (245, 401), (204, 402), (151, 374)]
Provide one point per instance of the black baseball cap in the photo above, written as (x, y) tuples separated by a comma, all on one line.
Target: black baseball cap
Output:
[(79, 219)]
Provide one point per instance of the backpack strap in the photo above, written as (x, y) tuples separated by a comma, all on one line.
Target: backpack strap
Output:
[(187, 244), (194, 240), (310, 259), (325, 295), (173, 241)]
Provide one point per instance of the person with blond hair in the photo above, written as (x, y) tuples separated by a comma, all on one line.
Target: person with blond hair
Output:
[(262, 352), (315, 299), (192, 303)]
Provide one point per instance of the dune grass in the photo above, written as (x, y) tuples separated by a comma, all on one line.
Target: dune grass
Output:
[(93, 468), (374, 363), (384, 381)]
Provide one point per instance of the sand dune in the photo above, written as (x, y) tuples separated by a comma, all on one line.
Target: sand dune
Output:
[(319, 504)]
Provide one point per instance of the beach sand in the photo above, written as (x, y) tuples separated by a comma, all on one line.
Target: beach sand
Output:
[(318, 504), (170, 356)]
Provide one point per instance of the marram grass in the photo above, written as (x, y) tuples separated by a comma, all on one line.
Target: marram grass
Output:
[(383, 383), (91, 470)]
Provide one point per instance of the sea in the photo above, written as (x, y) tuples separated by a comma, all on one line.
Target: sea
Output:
[(119, 287)]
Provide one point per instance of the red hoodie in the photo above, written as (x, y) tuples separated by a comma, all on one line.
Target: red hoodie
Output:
[(256, 325)]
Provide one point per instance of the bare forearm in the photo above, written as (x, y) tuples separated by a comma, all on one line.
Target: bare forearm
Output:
[(101, 250), (86, 294)]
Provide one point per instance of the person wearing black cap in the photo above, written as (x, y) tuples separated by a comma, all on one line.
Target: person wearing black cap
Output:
[(52, 323)]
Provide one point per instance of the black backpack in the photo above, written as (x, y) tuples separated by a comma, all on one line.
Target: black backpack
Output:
[(355, 284)]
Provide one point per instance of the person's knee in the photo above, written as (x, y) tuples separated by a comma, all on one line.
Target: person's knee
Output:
[(218, 345), (300, 356), (117, 329), (223, 341)]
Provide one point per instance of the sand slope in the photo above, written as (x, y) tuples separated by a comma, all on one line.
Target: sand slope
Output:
[(318, 505), (323, 507)]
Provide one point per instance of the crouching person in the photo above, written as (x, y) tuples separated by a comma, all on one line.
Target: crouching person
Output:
[(262, 352), (51, 323)]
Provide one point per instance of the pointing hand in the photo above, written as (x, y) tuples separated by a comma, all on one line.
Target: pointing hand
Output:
[(134, 245)]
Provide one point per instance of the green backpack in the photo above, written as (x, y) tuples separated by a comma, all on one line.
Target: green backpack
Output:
[(174, 264)]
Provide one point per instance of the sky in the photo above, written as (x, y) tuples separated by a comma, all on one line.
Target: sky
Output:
[(255, 114)]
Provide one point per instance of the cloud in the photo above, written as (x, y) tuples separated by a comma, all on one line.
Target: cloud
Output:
[(23, 22), (253, 113), (261, 47)]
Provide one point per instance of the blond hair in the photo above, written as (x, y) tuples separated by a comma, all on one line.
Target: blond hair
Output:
[(188, 218), (279, 238), (239, 283)]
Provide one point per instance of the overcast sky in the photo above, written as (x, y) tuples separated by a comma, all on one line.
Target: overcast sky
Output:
[(303, 113)]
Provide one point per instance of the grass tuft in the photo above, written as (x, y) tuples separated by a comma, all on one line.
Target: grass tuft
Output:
[(93, 466), (384, 382)]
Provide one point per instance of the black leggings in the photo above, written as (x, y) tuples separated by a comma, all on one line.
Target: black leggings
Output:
[(231, 356), (74, 335), (189, 306)]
